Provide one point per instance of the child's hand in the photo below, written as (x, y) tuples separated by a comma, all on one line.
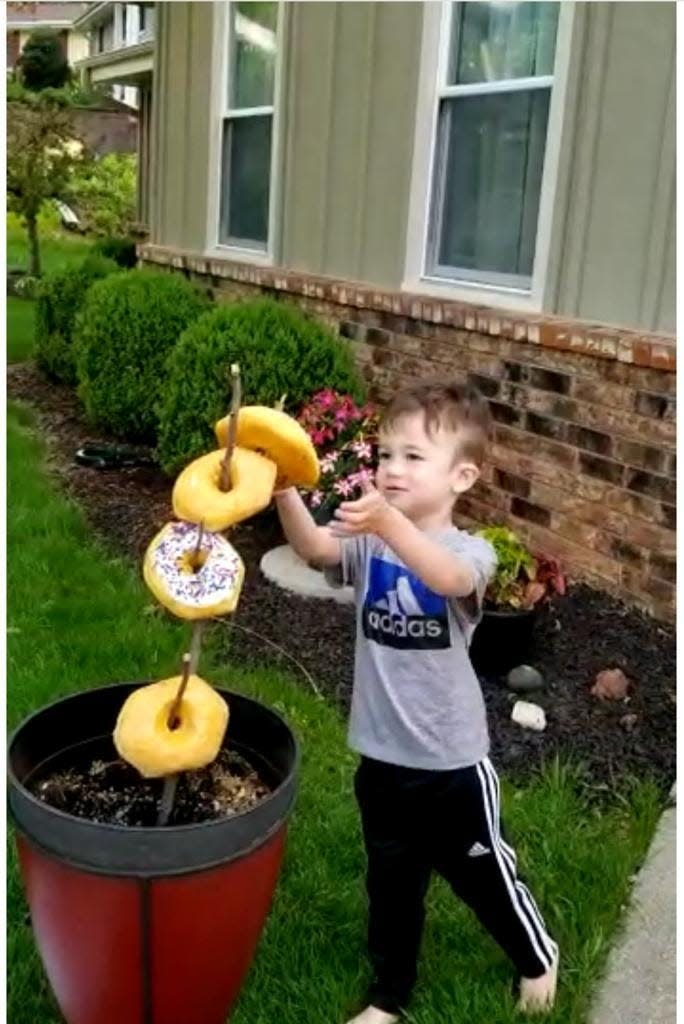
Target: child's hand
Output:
[(368, 514)]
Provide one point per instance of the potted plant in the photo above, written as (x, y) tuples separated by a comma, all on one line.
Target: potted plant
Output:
[(144, 922), (345, 436), (522, 583), (148, 881)]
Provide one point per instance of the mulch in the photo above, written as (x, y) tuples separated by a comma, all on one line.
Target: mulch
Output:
[(575, 638)]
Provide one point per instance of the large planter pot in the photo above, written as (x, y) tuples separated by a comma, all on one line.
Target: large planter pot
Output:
[(146, 925), (502, 640)]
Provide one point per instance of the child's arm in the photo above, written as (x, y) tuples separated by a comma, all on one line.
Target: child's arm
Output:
[(441, 570), (311, 542)]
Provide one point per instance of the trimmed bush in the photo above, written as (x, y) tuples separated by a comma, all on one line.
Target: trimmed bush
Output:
[(280, 351), (128, 325), (60, 297), (121, 250)]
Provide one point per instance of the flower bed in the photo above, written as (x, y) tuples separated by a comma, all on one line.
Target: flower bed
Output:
[(577, 635)]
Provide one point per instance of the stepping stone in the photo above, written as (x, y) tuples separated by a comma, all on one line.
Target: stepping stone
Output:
[(287, 570)]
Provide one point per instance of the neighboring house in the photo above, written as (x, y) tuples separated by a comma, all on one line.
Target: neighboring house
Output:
[(479, 188), (121, 55), (120, 46), (24, 18)]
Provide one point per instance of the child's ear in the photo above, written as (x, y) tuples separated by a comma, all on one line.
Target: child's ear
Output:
[(463, 476)]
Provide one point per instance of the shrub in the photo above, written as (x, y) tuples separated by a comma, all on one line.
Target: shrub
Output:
[(121, 250), (280, 352), (42, 64), (60, 296), (103, 193), (129, 323)]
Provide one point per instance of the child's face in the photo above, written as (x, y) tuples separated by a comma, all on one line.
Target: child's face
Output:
[(418, 472)]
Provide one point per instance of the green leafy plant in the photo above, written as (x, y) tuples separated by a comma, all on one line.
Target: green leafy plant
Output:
[(522, 580), (103, 193), (280, 352), (42, 155), (42, 64), (60, 297), (121, 250), (129, 323)]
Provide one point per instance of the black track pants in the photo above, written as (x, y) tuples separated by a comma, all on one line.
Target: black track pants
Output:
[(416, 822)]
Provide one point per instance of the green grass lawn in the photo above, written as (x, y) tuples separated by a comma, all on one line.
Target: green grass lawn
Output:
[(56, 252), (79, 617), (20, 327)]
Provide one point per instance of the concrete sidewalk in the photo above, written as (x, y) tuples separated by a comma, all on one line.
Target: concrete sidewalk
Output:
[(639, 985)]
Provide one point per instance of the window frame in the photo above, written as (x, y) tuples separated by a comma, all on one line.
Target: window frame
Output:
[(219, 113), (482, 287)]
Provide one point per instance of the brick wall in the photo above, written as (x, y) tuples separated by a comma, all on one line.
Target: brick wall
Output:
[(582, 463)]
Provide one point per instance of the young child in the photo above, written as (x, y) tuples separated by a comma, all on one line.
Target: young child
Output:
[(428, 794)]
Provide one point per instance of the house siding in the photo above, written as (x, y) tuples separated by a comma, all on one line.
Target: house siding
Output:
[(349, 124), (348, 107), (181, 118), (613, 246)]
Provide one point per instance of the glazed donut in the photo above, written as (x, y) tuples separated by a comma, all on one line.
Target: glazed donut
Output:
[(197, 496), (142, 735), (213, 588), (280, 438)]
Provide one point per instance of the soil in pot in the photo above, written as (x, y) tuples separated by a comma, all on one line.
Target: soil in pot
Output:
[(108, 790)]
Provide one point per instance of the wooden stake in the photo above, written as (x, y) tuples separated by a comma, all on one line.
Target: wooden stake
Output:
[(198, 547), (196, 644), (167, 798), (236, 398), (171, 721)]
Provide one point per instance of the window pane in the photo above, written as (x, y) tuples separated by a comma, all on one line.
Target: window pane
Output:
[(253, 54), (246, 175), (502, 40), (489, 171)]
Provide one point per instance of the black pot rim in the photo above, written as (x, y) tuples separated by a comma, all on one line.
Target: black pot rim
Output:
[(510, 613), (29, 810)]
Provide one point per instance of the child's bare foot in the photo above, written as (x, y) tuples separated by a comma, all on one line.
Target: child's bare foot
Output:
[(537, 995), (372, 1015)]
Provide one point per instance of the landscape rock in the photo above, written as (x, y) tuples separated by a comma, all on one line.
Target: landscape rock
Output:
[(529, 716), (610, 684), (524, 678)]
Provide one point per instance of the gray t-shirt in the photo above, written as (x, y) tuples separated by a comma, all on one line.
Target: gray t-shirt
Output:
[(416, 701)]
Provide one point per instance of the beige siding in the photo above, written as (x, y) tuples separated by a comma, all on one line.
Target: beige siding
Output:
[(348, 103), (352, 88), (180, 105), (614, 234)]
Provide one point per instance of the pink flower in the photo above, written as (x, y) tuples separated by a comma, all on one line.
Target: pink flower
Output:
[(328, 461), (362, 449), (361, 477), (343, 487), (316, 498)]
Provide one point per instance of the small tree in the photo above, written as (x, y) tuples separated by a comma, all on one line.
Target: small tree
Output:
[(42, 64), (41, 155)]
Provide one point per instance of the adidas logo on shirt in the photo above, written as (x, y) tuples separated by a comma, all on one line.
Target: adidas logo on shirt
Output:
[(478, 850), (400, 611)]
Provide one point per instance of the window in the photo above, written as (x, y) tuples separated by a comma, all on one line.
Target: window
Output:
[(495, 82), (146, 23), (247, 125)]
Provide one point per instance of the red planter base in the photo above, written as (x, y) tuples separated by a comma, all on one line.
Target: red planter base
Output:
[(146, 925), (168, 943)]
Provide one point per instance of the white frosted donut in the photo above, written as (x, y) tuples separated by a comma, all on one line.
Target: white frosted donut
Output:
[(189, 590)]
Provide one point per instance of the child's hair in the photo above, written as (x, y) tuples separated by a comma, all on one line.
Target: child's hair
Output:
[(452, 405)]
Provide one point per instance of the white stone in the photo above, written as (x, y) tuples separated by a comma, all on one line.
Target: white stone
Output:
[(530, 716), (287, 570)]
